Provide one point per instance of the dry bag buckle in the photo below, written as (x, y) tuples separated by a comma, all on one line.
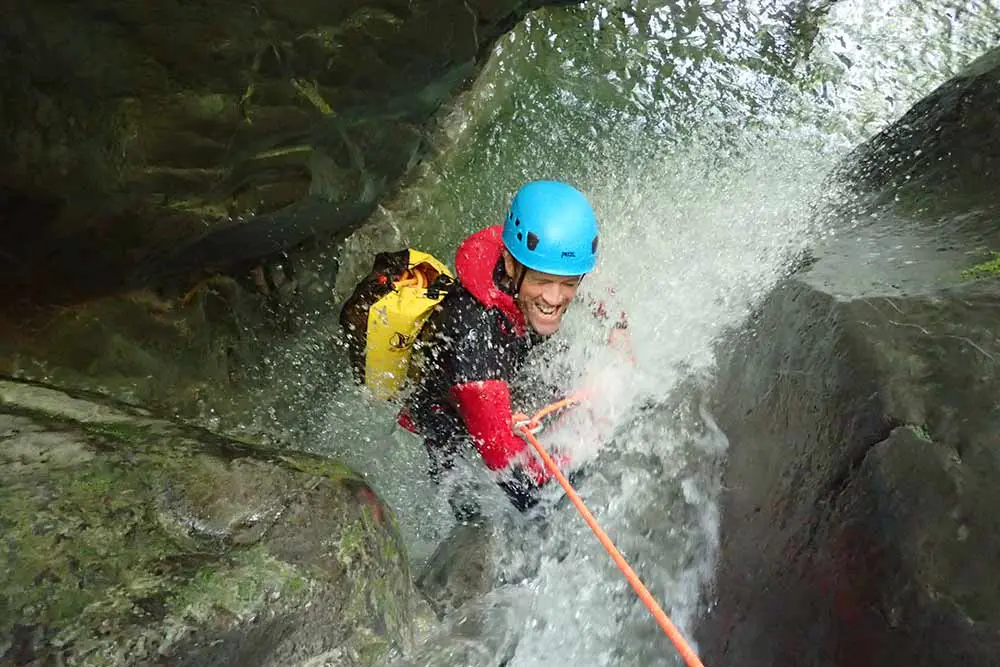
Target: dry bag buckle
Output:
[(440, 284)]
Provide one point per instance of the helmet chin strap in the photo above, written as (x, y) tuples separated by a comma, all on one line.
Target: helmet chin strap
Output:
[(512, 284)]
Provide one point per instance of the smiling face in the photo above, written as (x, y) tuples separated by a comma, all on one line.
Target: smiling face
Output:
[(542, 297)]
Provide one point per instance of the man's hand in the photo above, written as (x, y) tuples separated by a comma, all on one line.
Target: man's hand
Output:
[(620, 340)]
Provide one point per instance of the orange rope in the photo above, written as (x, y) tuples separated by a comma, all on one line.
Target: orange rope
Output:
[(687, 653), (534, 421)]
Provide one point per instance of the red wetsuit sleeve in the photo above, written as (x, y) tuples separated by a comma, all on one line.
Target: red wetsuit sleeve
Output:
[(486, 410)]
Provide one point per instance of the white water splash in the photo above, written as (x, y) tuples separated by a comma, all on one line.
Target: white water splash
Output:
[(689, 250), (691, 239)]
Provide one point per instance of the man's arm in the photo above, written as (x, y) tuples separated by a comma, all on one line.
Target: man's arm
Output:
[(485, 408)]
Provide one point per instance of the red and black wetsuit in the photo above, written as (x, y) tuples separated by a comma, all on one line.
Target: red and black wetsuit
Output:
[(469, 353)]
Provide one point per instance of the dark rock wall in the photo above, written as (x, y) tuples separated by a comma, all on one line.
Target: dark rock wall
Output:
[(175, 176), (863, 479), (859, 520), (133, 129)]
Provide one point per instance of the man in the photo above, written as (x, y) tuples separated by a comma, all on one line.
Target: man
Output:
[(514, 284)]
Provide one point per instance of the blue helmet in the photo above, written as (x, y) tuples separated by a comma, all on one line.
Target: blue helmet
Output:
[(551, 228)]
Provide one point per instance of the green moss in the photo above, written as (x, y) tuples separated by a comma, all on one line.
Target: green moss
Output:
[(986, 269), (353, 549), (296, 585), (331, 37), (373, 651), (207, 106), (72, 536), (124, 432), (319, 467), (244, 584), (126, 551), (370, 550)]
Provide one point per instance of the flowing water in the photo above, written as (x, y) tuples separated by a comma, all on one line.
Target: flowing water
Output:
[(702, 132)]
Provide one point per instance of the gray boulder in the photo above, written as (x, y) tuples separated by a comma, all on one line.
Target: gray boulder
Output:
[(863, 481), (129, 540), (862, 484)]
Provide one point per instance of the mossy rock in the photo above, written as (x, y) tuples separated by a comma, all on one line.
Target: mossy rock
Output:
[(128, 540), (988, 269)]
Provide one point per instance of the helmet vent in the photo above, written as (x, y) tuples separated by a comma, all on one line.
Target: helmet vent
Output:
[(517, 222), (593, 246), (532, 240)]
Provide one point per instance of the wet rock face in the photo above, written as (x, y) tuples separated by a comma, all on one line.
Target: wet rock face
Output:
[(133, 129), (461, 569), (943, 155), (128, 540), (860, 403), (862, 482)]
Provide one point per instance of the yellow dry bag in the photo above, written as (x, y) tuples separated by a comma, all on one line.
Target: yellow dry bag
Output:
[(385, 313)]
